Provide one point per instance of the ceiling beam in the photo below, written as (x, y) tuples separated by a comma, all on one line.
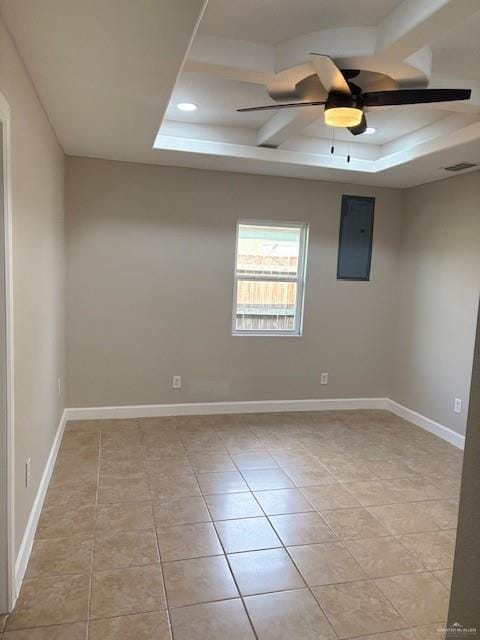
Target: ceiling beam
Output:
[(285, 124), (414, 24)]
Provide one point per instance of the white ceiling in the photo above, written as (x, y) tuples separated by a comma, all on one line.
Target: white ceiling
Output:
[(104, 69), (271, 21), (109, 74), (459, 49)]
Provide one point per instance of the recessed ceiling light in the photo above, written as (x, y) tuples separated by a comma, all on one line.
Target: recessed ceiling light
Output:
[(369, 130), (187, 106)]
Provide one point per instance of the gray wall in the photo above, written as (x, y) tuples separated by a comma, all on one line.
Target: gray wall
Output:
[(37, 179), (150, 254), (438, 297), (465, 594)]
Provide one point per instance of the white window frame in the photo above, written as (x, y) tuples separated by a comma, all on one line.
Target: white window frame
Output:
[(299, 279)]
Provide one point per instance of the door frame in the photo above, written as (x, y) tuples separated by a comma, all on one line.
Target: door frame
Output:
[(9, 454)]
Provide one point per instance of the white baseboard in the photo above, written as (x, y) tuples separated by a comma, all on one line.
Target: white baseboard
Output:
[(266, 406), (426, 423), (27, 541), (210, 408)]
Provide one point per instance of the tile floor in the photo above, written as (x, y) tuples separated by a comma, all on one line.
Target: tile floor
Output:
[(299, 526)]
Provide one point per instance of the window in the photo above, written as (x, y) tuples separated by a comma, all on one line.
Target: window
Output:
[(269, 278)]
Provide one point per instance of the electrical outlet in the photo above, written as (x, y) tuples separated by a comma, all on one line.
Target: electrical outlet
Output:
[(457, 405), (27, 472), (324, 378), (59, 385), (177, 382)]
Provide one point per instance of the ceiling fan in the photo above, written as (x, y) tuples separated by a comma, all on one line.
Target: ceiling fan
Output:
[(345, 102)]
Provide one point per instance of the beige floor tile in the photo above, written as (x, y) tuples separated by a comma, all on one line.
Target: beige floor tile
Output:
[(266, 479), (445, 577), (84, 425), (350, 471), (123, 467), (382, 557), (434, 549), (223, 482), (214, 462), (353, 523), (230, 506), (48, 601), (314, 476), (119, 549), (357, 608), (74, 631), (391, 469), (77, 440), (62, 521), (443, 512), (78, 493), (418, 597), (180, 511), (247, 534), (64, 556), (212, 621), (378, 492), (198, 580), (140, 626), (264, 571), (408, 517), (278, 501), (448, 485), (160, 450), (169, 466), (166, 487), (188, 541), (294, 458), (413, 489), (326, 563), (447, 465), (254, 460), (330, 496), (301, 528), (125, 591), (113, 489), (131, 516), (404, 634), (290, 615)]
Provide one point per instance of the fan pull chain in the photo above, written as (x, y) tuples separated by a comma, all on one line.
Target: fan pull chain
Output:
[(348, 155), (332, 150)]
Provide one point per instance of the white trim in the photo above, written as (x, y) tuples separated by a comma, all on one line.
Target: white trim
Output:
[(266, 406), (27, 541), (210, 408), (8, 239), (426, 423)]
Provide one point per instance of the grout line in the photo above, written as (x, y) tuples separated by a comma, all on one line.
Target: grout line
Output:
[(90, 588)]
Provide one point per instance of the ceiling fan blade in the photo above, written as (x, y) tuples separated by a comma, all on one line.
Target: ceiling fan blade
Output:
[(413, 96), (288, 105), (360, 128), (330, 75)]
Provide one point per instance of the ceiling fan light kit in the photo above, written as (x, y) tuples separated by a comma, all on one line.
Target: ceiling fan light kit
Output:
[(342, 110)]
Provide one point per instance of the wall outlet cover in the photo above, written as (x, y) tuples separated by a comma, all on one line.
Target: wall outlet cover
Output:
[(457, 405), (324, 378)]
